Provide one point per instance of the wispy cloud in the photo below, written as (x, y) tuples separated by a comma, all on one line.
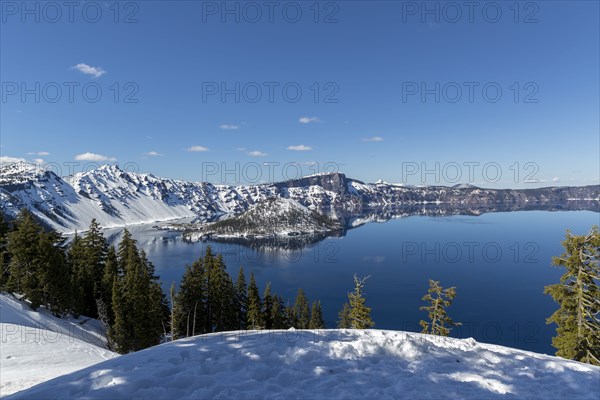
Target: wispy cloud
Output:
[(256, 153), (154, 154), (308, 120), (229, 127), (38, 153), (555, 179), (373, 139), (197, 148), (93, 157), (96, 72), (38, 161), (299, 147)]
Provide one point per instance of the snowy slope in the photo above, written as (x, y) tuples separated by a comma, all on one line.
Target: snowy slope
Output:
[(36, 346), (118, 198), (330, 364)]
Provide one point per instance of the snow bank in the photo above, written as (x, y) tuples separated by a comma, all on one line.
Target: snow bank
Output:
[(328, 364), (36, 346)]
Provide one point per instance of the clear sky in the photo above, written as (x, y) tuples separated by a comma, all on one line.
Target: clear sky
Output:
[(389, 89)]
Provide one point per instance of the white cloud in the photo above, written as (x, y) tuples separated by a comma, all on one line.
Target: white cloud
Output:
[(229, 127), (308, 120), (154, 154), (256, 153), (299, 147), (96, 72), (197, 148), (373, 139), (39, 153), (93, 157), (10, 160), (38, 161), (555, 179)]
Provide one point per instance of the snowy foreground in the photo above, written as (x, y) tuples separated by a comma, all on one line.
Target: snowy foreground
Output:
[(329, 364), (36, 347)]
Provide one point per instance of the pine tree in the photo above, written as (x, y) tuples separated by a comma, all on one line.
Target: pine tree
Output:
[(189, 308), (172, 296), (438, 298), (301, 310), (119, 337), (359, 314), (291, 320), (268, 307), (96, 249), (76, 262), (241, 299), (316, 317), (25, 269), (4, 255), (278, 314), (220, 295), (87, 258), (111, 270), (209, 291), (578, 295), (254, 314), (344, 317), (139, 306), (55, 274)]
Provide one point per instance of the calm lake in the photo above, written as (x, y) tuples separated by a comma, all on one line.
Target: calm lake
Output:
[(498, 262)]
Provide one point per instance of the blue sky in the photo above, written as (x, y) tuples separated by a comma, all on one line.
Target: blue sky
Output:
[(362, 67)]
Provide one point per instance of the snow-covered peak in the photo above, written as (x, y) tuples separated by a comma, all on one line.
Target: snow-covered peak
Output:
[(22, 172), (115, 197)]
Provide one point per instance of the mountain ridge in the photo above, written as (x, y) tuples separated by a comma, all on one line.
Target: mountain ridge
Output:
[(119, 198)]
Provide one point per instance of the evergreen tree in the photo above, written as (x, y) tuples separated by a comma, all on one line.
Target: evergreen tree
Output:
[(111, 270), (210, 293), (139, 305), (438, 298), (359, 314), (4, 255), (268, 307), (96, 249), (241, 299), (189, 308), (291, 320), (316, 317), (87, 257), (254, 314), (344, 317), (119, 337), (76, 262), (172, 296), (278, 315), (25, 271), (55, 274), (578, 296), (221, 295), (301, 310)]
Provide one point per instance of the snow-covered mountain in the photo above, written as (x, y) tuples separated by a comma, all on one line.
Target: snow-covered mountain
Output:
[(36, 346), (118, 198), (327, 364)]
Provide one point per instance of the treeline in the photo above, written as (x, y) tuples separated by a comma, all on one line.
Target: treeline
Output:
[(119, 287), (86, 277), (209, 300)]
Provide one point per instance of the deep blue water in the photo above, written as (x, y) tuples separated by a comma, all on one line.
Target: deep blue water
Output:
[(498, 262)]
